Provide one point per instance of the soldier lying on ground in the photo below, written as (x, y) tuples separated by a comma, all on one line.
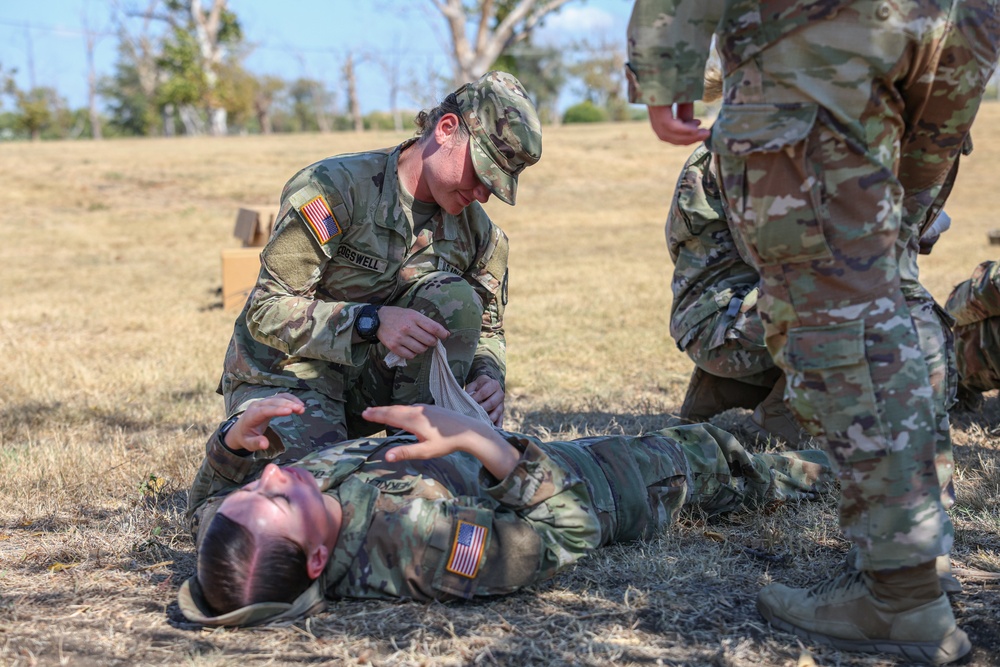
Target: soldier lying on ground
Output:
[(460, 511), (388, 251), (975, 305)]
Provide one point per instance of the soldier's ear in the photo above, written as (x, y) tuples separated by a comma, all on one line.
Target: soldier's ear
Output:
[(316, 561), (446, 128)]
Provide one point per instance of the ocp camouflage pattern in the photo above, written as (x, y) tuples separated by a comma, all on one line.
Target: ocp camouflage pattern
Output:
[(561, 501), (295, 330), (840, 123), (506, 134), (975, 305), (713, 315)]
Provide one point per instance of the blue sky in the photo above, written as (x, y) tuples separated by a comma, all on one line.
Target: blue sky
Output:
[(298, 38)]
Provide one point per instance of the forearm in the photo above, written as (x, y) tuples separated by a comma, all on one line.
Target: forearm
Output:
[(302, 325), (498, 456)]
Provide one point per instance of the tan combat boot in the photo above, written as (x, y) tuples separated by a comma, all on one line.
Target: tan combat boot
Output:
[(771, 418), (708, 395), (902, 612)]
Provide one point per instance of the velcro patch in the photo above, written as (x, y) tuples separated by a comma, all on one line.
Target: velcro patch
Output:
[(467, 549), (360, 259), (320, 218)]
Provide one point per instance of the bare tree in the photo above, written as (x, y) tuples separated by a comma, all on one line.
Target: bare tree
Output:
[(208, 28), (91, 38), (389, 64), (517, 18), (352, 93)]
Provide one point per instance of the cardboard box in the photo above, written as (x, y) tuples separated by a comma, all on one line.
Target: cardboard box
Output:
[(240, 267), (253, 226)]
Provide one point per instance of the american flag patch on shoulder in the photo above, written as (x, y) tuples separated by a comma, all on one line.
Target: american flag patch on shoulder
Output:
[(467, 551), (318, 215)]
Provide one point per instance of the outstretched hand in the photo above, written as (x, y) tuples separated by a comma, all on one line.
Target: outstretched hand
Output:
[(680, 130), (248, 431), (440, 432)]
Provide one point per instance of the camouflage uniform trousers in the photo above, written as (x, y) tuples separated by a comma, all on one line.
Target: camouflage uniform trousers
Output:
[(639, 484), (975, 304), (441, 296), (819, 191)]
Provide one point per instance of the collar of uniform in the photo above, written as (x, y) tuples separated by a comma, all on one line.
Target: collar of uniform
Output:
[(357, 502), (450, 226)]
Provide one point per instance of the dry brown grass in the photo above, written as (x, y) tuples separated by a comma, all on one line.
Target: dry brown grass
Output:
[(112, 338)]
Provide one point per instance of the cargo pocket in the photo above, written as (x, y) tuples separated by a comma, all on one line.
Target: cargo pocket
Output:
[(831, 391), (773, 188)]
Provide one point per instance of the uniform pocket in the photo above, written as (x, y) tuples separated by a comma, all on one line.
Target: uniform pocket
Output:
[(774, 189), (831, 390)]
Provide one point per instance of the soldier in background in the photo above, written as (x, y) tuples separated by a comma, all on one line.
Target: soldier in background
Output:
[(975, 305), (462, 510), (388, 251), (840, 124)]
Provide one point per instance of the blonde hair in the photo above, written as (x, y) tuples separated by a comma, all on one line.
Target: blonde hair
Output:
[(713, 84)]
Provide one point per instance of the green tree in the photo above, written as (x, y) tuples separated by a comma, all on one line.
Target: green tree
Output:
[(601, 73), (585, 112), (40, 110)]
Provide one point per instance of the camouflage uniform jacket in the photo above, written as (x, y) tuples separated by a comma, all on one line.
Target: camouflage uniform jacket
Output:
[(401, 520), (669, 40), (345, 237), (709, 273)]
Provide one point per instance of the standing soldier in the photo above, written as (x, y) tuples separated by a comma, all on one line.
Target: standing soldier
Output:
[(387, 251), (819, 98)]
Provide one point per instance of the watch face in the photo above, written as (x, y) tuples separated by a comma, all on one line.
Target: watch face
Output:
[(365, 323)]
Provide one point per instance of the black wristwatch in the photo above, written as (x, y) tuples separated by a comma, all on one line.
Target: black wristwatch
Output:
[(367, 322), (224, 429)]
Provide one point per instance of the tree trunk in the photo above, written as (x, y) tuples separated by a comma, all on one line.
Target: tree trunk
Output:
[(168, 120), (95, 117), (352, 94)]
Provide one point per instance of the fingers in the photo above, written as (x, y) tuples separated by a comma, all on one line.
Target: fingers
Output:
[(409, 453), (409, 333), (405, 417), (681, 129), (486, 391)]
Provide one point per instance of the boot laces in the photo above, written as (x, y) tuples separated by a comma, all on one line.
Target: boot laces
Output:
[(842, 583)]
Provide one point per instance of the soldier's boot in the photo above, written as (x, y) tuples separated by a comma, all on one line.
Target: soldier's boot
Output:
[(708, 395), (902, 612), (771, 418), (942, 565)]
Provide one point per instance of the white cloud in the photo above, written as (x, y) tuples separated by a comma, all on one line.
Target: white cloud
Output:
[(576, 21)]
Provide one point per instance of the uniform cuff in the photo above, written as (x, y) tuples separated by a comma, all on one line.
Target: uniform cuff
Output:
[(531, 480), (236, 467)]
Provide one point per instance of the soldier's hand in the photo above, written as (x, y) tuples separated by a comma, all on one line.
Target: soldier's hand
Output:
[(680, 130), (407, 332), (248, 431), (488, 393), (440, 432)]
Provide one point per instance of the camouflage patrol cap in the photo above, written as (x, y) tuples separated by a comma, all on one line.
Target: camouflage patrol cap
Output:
[(506, 135)]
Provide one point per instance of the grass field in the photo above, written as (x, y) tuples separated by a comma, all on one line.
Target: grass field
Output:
[(112, 337)]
